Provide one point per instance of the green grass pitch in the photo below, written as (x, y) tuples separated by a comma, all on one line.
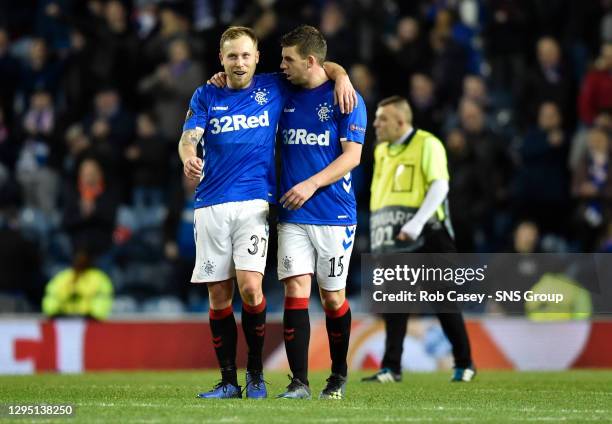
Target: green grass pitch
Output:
[(169, 397)]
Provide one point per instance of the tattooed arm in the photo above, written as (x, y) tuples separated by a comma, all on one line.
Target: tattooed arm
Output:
[(192, 164)]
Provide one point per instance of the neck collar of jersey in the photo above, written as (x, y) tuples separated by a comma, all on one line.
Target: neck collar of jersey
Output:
[(229, 90), (406, 137), (318, 87)]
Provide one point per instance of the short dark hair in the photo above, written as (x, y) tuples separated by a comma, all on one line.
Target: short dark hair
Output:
[(235, 32), (308, 40)]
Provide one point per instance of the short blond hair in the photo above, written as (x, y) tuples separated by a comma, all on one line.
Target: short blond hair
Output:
[(401, 104), (234, 32)]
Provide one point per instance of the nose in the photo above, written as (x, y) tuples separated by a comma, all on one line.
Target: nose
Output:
[(283, 65)]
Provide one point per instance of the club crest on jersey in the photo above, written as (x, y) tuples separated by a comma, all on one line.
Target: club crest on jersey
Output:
[(260, 95), (324, 111)]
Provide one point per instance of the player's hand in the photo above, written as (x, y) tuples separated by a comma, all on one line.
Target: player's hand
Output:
[(345, 95), (411, 230), (298, 195), (219, 80), (193, 168)]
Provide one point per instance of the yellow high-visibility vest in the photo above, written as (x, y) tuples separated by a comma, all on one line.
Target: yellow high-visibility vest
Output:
[(91, 293), (402, 175)]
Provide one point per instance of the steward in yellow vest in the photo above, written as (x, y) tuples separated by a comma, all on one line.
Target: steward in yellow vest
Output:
[(404, 171), (81, 290), (409, 213)]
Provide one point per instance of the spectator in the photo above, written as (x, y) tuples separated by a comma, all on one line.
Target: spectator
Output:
[(542, 180), (550, 81), (173, 24), (466, 196), (365, 83), (526, 238), (592, 187), (77, 146), (9, 75), (579, 148), (147, 18), (35, 168), (89, 211), (493, 165), (449, 65), (121, 39), (110, 127), (342, 45), (404, 53), (596, 91), (38, 73), (425, 110), (81, 290), (171, 87), (505, 38), (475, 89), (54, 32), (408, 46), (447, 21), (147, 164), (488, 147), (81, 76)]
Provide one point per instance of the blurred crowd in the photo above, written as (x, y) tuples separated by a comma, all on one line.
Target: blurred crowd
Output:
[(93, 95)]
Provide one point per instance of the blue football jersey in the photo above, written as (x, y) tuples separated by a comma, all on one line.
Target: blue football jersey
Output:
[(312, 129), (238, 142)]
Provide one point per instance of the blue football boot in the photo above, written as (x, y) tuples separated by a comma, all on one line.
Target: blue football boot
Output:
[(222, 390), (255, 385)]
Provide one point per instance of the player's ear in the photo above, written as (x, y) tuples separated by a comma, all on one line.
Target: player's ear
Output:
[(221, 57), (257, 57), (310, 61)]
